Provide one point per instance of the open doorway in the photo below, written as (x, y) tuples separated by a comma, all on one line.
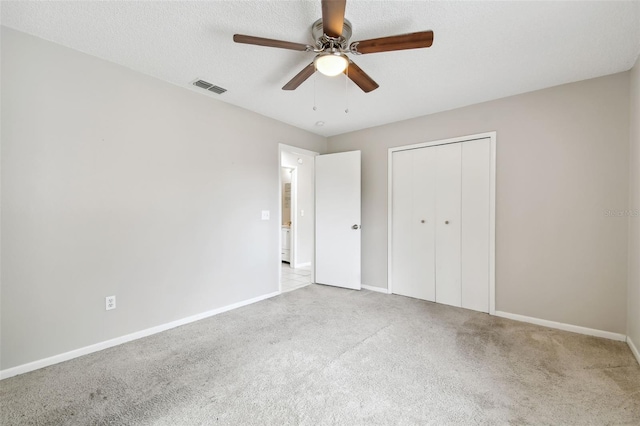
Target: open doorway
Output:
[(297, 217)]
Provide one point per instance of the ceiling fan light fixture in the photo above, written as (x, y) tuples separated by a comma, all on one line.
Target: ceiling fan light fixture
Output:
[(331, 63)]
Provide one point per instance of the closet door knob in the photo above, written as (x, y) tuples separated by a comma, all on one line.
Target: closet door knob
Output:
[(422, 221), (355, 227), (446, 222)]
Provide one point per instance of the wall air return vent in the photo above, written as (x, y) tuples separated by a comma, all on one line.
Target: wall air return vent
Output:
[(210, 87)]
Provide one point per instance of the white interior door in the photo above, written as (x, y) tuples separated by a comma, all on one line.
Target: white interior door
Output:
[(413, 242), (338, 220), (448, 226)]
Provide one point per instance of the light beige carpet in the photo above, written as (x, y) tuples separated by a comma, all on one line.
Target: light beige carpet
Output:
[(322, 355)]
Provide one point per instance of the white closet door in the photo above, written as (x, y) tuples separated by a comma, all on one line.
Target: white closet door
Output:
[(424, 221), (413, 241), (448, 226), (476, 184), (402, 261)]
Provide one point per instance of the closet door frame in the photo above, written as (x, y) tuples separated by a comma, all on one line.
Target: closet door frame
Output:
[(492, 207)]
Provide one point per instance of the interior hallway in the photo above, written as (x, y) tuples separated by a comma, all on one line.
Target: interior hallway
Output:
[(293, 279)]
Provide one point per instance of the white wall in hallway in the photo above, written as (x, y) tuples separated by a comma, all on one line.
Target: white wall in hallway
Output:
[(305, 203)]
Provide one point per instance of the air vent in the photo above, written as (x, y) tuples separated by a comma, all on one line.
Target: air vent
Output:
[(203, 84), (217, 89), (210, 87)]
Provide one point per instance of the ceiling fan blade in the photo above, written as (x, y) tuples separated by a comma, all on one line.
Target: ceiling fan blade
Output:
[(259, 41), (399, 42), (300, 77), (333, 17), (360, 78)]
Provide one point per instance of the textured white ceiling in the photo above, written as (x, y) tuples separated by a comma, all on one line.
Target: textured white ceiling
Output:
[(481, 50)]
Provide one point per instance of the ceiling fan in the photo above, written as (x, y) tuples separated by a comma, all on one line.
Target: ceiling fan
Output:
[(331, 34)]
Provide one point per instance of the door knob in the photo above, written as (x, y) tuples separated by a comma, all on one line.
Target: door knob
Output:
[(446, 222), (355, 227), (422, 221)]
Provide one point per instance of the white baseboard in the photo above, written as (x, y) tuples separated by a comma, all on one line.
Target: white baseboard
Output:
[(563, 326), (378, 289), (41, 363), (634, 349)]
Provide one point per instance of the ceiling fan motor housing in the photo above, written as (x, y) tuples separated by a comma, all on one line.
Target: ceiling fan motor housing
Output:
[(323, 41)]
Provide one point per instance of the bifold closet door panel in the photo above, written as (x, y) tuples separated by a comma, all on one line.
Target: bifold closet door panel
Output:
[(448, 226), (476, 183), (424, 212), (402, 204), (413, 204)]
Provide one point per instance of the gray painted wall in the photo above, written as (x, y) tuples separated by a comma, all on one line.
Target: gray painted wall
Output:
[(115, 183), (633, 316), (562, 163)]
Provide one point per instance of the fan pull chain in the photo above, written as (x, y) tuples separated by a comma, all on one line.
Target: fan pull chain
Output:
[(346, 90), (314, 90)]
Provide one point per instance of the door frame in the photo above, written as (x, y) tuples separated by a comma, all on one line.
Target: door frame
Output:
[(292, 208), (492, 207), (294, 212)]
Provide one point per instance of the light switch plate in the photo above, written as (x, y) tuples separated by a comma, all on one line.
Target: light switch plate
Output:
[(265, 214)]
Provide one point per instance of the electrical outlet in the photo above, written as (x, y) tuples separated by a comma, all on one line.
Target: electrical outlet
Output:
[(110, 302), (265, 214)]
